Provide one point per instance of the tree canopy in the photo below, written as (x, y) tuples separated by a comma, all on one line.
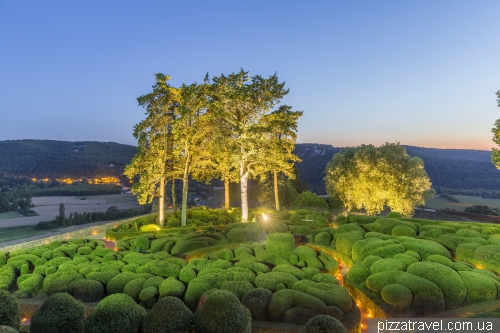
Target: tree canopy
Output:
[(371, 178), (495, 153)]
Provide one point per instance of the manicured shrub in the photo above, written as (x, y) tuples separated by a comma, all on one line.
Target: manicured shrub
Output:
[(427, 297), (148, 293), (196, 288), (133, 288), (239, 288), (184, 246), (387, 264), (397, 296), (7, 329), (357, 273), (467, 233), (408, 259), (402, 230), (281, 244), (330, 294), (238, 235), (426, 248), (325, 278), (116, 284), (323, 239), (164, 268), (61, 282), (32, 284), (310, 272), (117, 313), (452, 241), (256, 301), (308, 255), (385, 225), (155, 281), (300, 230), (222, 312), (59, 313), (286, 299), (88, 290), (324, 324), (241, 274), (257, 267), (103, 277), (445, 277), (347, 228), (345, 241), (300, 274), (169, 315), (272, 279), (465, 251), (10, 310), (440, 260), (171, 287), (480, 288)]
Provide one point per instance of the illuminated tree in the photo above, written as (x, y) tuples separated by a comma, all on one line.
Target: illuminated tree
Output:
[(495, 153), (240, 103), (372, 178), (153, 160), (279, 129)]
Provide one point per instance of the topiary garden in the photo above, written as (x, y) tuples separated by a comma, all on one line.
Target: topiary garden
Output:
[(282, 270)]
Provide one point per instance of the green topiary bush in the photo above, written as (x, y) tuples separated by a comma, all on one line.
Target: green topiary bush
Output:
[(256, 301), (257, 267), (345, 241), (59, 313), (196, 288), (324, 324), (239, 288), (480, 288), (281, 244), (61, 282), (133, 288), (272, 279), (222, 313), (117, 313), (402, 230), (10, 310), (171, 287), (397, 296), (88, 290), (330, 294), (286, 299), (184, 246), (323, 239), (387, 264), (116, 284), (169, 315)]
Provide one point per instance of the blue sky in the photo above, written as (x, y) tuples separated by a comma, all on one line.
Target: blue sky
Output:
[(422, 73)]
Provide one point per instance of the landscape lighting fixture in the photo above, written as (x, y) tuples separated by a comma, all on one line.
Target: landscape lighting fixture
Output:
[(264, 217)]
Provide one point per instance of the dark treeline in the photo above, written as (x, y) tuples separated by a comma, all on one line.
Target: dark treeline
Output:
[(63, 159), (77, 190), (453, 171), (113, 213)]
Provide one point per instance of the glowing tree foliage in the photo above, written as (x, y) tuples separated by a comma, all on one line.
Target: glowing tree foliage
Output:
[(152, 162), (372, 178), (495, 153), (240, 103)]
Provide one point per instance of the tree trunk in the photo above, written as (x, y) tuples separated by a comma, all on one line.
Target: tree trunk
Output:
[(244, 196), (185, 184), (226, 193), (276, 194), (161, 203), (174, 205)]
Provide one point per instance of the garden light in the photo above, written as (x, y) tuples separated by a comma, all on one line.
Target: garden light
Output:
[(264, 217)]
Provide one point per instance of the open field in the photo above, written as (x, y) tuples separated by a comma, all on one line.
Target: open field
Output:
[(465, 201), (48, 207), (10, 215), (13, 233)]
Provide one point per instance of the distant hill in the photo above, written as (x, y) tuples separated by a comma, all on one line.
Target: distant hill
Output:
[(447, 168), (63, 159)]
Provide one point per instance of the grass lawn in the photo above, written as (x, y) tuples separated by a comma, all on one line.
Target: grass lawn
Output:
[(12, 233), (126, 198), (465, 201), (10, 215)]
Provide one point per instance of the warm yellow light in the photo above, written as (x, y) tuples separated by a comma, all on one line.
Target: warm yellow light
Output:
[(24, 320), (264, 217)]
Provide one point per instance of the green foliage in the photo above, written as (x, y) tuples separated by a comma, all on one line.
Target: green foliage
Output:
[(10, 310), (331, 294), (272, 279), (387, 264), (402, 230), (394, 215), (222, 313), (117, 283), (239, 288), (372, 178), (88, 290), (324, 323), (59, 313), (31, 285), (286, 299), (425, 248), (309, 200), (256, 301), (117, 313), (169, 315), (323, 238), (257, 267), (281, 244), (133, 288), (397, 296), (60, 282), (171, 287), (480, 288)]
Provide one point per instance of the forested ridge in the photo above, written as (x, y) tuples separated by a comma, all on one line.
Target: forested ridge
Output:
[(63, 159), (457, 169)]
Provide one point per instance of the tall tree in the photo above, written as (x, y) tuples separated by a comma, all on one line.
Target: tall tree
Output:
[(241, 102), (372, 178), (495, 153), (279, 128), (154, 140)]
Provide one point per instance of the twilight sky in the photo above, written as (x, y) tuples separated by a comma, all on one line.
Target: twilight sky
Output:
[(422, 73)]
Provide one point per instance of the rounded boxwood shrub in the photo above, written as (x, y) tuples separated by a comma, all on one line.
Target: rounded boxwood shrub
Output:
[(387, 264), (10, 310), (257, 267), (272, 279), (323, 238), (480, 287), (133, 288), (116, 284), (88, 290), (397, 296), (256, 301), (7, 329), (239, 288), (300, 274), (407, 259), (169, 315), (402, 230), (103, 277), (286, 299), (184, 246), (426, 248), (241, 274), (308, 255), (345, 241), (60, 282), (171, 287), (117, 313), (196, 288), (281, 244), (148, 293), (31, 285), (324, 324), (164, 268), (59, 313), (222, 312), (330, 294)]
